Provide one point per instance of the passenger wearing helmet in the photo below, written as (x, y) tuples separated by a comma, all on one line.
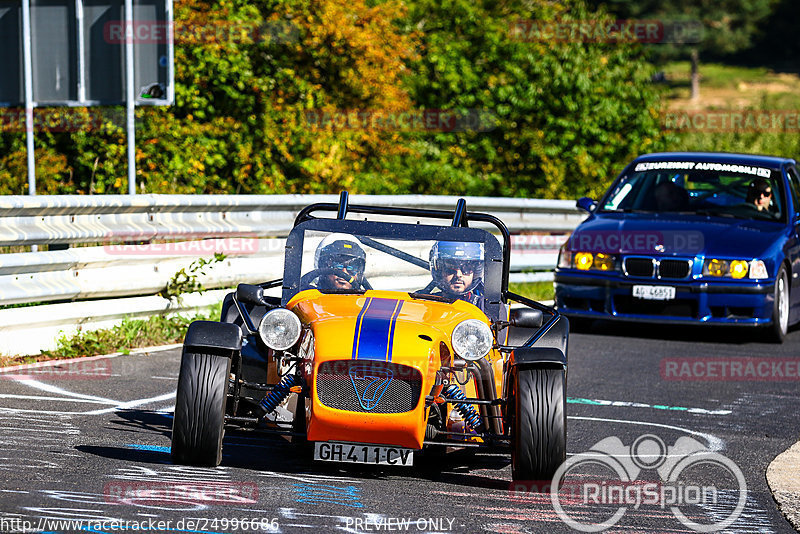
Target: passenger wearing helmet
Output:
[(457, 270), (340, 260)]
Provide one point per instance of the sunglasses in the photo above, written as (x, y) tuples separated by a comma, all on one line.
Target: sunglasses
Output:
[(450, 268), (352, 266), (766, 193)]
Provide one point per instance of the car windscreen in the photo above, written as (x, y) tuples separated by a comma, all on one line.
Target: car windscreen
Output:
[(336, 256), (338, 262), (712, 189)]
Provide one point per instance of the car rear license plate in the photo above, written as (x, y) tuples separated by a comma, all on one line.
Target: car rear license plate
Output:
[(362, 453), (654, 292)]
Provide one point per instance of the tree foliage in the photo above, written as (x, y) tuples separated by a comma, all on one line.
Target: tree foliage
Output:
[(308, 96), (729, 26)]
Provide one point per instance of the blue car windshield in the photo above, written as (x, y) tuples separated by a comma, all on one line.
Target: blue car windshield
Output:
[(700, 192)]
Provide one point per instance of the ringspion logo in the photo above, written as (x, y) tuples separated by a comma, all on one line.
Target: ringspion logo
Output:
[(592, 491)]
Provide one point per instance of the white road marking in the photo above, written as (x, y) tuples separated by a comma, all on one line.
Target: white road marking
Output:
[(80, 397), (715, 444), (36, 397), (50, 388)]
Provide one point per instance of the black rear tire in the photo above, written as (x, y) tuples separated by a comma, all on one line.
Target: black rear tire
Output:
[(538, 423), (199, 423)]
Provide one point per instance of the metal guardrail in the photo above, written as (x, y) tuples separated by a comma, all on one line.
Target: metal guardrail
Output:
[(131, 274), (92, 219)]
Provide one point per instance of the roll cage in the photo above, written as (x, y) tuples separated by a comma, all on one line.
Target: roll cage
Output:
[(497, 260)]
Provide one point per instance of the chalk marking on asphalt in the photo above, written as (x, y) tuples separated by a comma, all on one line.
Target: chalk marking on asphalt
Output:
[(627, 404), (715, 444), (136, 402), (68, 431), (36, 397), (118, 405), (50, 388), (150, 448)]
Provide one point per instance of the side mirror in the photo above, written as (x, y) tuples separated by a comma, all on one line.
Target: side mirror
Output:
[(250, 294), (586, 204), (526, 318)]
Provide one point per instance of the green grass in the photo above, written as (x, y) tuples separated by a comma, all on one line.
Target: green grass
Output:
[(534, 290), (731, 87), (129, 334), (715, 75)]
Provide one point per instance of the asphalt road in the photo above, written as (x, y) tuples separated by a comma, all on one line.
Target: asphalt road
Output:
[(74, 439)]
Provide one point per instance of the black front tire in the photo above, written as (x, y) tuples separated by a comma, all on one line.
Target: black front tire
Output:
[(780, 308), (199, 423), (538, 423)]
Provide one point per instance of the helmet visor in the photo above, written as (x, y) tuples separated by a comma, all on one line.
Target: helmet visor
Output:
[(451, 267), (346, 264)]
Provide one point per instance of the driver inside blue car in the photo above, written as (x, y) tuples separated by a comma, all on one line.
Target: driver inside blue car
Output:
[(457, 270), (342, 259)]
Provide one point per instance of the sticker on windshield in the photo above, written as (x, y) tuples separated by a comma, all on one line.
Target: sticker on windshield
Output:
[(703, 166)]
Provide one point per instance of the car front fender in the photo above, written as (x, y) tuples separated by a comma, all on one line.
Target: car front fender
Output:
[(533, 356), (213, 335)]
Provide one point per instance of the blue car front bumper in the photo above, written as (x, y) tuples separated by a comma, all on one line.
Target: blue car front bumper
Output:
[(604, 296)]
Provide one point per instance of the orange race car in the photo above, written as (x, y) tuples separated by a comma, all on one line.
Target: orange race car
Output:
[(391, 335)]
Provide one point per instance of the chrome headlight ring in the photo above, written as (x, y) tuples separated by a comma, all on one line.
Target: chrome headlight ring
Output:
[(279, 329), (472, 339)]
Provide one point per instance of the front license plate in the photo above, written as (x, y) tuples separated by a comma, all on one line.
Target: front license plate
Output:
[(362, 453), (654, 292)]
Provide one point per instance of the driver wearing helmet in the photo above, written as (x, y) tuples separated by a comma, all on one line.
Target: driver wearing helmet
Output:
[(342, 259), (457, 270)]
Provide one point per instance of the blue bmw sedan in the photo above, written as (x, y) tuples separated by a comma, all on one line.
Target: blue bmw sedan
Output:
[(702, 238)]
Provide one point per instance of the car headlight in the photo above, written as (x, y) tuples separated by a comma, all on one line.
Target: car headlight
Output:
[(715, 267), (586, 261), (735, 268), (603, 262), (738, 268), (279, 329), (564, 258), (472, 339), (758, 269)]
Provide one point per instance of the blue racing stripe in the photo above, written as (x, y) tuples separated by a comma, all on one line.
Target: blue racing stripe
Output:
[(394, 323), (373, 333), (357, 334)]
